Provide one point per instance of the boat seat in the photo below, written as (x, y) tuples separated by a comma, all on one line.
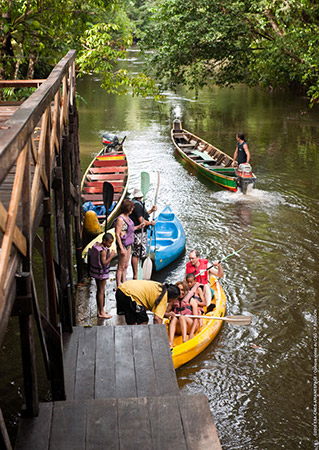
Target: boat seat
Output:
[(186, 145), (202, 155)]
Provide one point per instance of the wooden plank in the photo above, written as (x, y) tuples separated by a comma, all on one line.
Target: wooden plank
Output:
[(21, 83), (105, 363), (96, 190), (144, 365), (97, 198), (106, 177), (166, 423), (34, 433), (110, 169), (18, 239), (99, 184), (70, 347), (124, 362), (111, 163), (134, 424), (102, 424), (68, 426), (163, 363), (85, 369), (196, 415)]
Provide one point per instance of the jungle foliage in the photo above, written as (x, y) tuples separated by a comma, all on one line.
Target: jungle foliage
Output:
[(36, 34), (270, 43)]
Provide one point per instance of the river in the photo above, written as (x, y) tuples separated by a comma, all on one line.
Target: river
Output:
[(260, 380)]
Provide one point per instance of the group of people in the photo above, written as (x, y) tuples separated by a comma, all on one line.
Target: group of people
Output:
[(131, 242), (173, 301)]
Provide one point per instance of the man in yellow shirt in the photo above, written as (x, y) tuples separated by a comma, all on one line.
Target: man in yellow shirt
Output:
[(135, 297)]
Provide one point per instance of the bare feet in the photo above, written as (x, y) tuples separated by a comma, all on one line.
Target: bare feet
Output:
[(104, 315)]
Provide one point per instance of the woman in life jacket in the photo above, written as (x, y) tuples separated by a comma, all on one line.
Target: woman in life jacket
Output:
[(124, 234)]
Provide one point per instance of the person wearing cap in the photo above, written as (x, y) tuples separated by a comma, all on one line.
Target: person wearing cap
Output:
[(140, 215), (242, 153)]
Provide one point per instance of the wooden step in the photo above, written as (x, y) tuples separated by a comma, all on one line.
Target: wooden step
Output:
[(181, 422)]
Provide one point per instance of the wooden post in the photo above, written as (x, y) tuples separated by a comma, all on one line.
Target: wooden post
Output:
[(5, 443), (60, 240), (76, 180), (48, 255), (65, 153), (24, 291)]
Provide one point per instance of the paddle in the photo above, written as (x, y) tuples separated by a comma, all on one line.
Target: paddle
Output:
[(201, 272), (108, 193), (148, 264), (235, 320), (145, 185)]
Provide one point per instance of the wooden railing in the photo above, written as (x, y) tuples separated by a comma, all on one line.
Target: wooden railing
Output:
[(40, 171)]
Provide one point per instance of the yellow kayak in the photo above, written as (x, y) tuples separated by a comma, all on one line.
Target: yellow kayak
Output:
[(183, 352)]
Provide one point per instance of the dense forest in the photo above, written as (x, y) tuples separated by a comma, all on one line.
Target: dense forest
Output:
[(268, 43)]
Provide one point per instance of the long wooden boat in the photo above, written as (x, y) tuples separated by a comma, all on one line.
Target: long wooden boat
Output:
[(168, 240), (184, 352), (211, 162), (110, 165)]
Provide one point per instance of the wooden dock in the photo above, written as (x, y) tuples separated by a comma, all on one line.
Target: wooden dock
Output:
[(122, 393)]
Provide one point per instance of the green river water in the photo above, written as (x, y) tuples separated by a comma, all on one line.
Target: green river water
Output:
[(261, 380)]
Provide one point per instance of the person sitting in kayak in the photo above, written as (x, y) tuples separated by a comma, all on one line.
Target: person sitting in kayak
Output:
[(242, 153), (199, 267), (135, 297), (198, 296), (184, 306)]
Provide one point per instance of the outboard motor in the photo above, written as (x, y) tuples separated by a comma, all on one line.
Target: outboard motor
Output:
[(244, 177), (111, 142)]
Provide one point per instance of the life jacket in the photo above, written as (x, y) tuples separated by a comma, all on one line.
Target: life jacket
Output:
[(182, 307), (96, 268), (128, 238), (202, 279)]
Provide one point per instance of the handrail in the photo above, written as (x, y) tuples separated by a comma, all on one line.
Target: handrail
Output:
[(22, 123)]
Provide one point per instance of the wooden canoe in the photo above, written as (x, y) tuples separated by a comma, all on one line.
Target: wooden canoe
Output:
[(113, 168), (211, 162), (184, 352)]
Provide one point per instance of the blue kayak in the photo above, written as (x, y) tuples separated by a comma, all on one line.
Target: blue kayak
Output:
[(168, 240)]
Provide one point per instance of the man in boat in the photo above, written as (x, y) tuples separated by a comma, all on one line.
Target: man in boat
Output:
[(140, 215), (199, 267), (135, 297), (242, 153)]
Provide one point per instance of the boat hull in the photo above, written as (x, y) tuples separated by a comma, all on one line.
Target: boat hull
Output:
[(184, 352), (208, 160), (168, 240), (113, 168)]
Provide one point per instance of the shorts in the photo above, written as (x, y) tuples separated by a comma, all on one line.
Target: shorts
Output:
[(140, 245), (133, 312)]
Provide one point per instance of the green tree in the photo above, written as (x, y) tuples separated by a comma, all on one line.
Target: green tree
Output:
[(272, 43)]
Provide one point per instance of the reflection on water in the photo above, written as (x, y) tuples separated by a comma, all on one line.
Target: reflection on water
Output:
[(258, 379)]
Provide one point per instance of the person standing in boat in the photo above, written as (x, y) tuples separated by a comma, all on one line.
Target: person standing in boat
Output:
[(198, 267), (100, 260), (135, 297), (140, 216), (242, 153), (124, 234)]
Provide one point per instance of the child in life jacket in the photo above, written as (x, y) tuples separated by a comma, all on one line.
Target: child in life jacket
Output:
[(198, 296), (182, 325)]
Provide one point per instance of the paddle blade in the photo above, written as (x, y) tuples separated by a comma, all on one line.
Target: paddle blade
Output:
[(238, 320), (108, 193), (139, 270), (147, 269), (145, 183)]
